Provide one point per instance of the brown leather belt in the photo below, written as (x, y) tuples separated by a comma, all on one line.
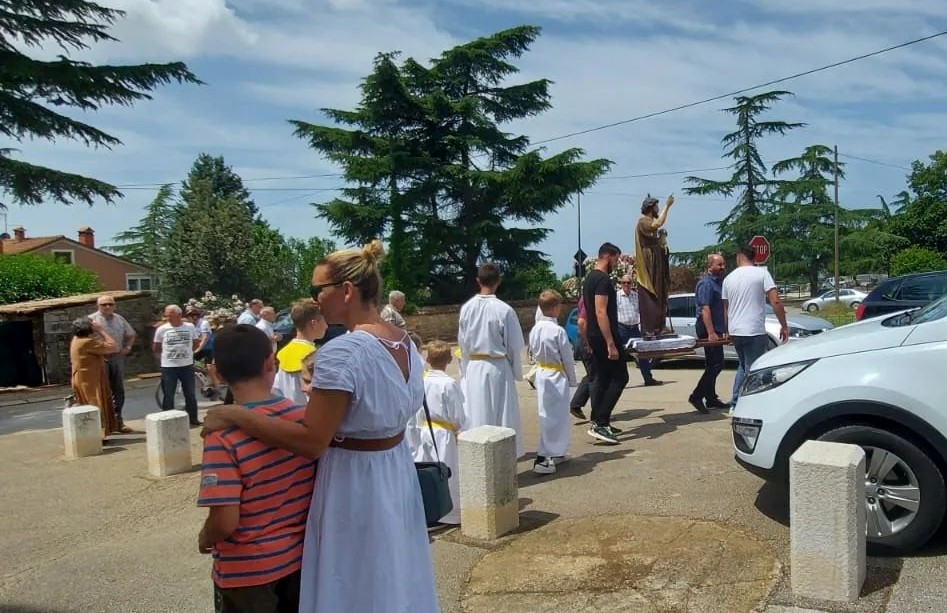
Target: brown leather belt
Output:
[(367, 444)]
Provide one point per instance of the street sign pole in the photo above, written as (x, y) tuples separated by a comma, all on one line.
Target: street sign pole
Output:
[(836, 227)]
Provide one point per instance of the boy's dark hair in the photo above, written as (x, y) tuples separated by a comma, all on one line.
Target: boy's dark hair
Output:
[(748, 251), (240, 351), (608, 249), (488, 275)]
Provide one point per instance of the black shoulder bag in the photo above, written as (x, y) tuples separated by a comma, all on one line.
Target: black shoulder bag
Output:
[(432, 477)]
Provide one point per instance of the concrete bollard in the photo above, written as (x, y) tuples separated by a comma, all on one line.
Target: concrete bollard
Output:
[(82, 431), (827, 521), (168, 439), (489, 496)]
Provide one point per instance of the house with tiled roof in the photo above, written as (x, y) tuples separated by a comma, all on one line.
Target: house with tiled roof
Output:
[(114, 273)]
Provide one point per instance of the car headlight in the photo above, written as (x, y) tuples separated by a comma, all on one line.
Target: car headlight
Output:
[(799, 332), (768, 378)]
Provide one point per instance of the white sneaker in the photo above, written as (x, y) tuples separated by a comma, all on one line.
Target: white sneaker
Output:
[(546, 467), (560, 459)]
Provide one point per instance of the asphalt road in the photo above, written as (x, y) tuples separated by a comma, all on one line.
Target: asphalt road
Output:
[(43, 415)]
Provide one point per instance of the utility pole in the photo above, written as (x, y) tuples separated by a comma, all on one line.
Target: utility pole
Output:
[(579, 214), (836, 225)]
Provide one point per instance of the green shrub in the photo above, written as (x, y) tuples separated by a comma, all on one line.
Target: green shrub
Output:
[(917, 259), (33, 277), (837, 313)]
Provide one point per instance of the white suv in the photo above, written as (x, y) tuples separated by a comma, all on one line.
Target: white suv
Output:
[(879, 383)]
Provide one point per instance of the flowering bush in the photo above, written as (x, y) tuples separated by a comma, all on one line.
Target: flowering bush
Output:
[(572, 286), (625, 266), (218, 310)]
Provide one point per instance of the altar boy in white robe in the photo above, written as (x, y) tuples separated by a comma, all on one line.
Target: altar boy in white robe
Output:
[(491, 346), (445, 402), (555, 374)]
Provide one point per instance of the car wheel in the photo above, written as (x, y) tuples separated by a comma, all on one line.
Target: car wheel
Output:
[(812, 308), (904, 489)]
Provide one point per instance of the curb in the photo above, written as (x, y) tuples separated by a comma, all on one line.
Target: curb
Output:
[(60, 392)]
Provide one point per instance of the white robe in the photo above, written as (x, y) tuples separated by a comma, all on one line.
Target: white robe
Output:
[(555, 374), (489, 327), (445, 402)]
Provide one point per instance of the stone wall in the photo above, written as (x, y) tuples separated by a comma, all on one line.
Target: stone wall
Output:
[(440, 322), (57, 334)]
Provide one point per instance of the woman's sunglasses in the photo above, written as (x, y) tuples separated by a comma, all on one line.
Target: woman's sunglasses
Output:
[(315, 290)]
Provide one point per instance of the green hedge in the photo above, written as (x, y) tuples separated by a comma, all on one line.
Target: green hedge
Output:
[(33, 277)]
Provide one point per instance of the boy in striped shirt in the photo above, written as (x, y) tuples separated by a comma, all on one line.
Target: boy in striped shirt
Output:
[(257, 496)]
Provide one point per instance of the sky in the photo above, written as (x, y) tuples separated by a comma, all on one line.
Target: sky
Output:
[(267, 61)]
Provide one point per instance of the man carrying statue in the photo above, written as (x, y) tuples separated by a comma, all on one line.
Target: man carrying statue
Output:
[(652, 266)]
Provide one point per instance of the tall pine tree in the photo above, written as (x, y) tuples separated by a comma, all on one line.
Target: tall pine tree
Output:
[(434, 173), (30, 90), (146, 243), (750, 179)]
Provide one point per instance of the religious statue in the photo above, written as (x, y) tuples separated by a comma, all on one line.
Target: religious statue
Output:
[(652, 266)]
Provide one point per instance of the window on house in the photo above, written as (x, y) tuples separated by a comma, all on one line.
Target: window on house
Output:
[(63, 256), (138, 283)]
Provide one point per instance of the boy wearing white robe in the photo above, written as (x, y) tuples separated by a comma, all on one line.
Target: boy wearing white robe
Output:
[(445, 402), (491, 345), (555, 374), (310, 326)]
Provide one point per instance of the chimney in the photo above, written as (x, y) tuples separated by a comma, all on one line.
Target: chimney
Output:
[(87, 237), (19, 233)]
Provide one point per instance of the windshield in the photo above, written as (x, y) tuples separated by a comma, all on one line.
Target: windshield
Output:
[(932, 312)]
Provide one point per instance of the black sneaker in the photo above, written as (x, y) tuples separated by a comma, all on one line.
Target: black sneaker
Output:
[(653, 383), (603, 434), (577, 413), (615, 431), (717, 403), (698, 404)]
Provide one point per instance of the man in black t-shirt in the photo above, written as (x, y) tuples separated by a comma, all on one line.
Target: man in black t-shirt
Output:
[(601, 305)]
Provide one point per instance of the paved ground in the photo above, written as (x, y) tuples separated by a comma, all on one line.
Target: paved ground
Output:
[(676, 526)]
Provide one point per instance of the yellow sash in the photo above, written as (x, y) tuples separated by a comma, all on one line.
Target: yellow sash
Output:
[(443, 425), (292, 355), (485, 356), (551, 366)]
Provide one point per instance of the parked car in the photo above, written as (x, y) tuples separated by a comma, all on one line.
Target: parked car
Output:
[(900, 293), (849, 297), (877, 383), (682, 317)]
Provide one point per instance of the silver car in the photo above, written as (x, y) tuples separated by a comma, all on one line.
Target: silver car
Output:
[(682, 317), (849, 297)]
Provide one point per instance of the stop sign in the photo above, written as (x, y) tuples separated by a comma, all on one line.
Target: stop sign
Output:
[(761, 248)]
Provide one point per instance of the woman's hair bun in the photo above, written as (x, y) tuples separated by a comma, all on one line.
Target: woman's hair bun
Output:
[(374, 251)]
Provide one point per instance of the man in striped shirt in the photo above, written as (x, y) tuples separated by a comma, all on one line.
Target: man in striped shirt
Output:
[(258, 496)]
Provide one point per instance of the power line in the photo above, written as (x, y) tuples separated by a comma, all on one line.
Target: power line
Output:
[(258, 189), (667, 173), (879, 163), (287, 178), (743, 90)]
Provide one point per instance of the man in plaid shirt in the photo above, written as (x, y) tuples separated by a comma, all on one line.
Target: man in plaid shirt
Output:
[(629, 320)]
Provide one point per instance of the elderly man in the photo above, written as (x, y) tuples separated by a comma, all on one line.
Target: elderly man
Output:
[(392, 311), (267, 319), (711, 325), (123, 334), (175, 341), (252, 314), (629, 320)]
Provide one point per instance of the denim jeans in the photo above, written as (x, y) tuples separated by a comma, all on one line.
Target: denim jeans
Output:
[(170, 375), (749, 349)]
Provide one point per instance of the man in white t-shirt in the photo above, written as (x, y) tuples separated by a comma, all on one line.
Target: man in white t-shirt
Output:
[(745, 292), (175, 341), (267, 318)]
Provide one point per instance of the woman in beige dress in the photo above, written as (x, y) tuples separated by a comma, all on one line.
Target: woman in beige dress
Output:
[(90, 383)]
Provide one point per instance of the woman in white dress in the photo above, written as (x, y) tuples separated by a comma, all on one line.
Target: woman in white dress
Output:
[(366, 547)]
